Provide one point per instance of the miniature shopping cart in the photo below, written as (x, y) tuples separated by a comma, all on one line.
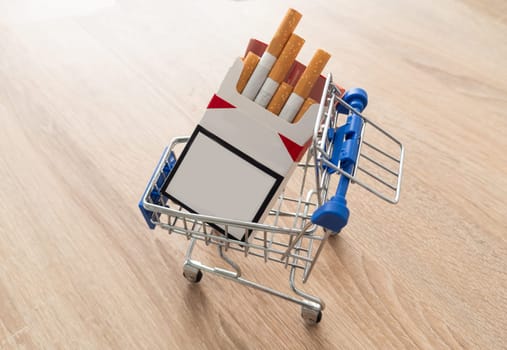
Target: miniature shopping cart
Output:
[(347, 148)]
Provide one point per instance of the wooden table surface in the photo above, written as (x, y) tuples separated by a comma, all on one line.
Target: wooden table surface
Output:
[(91, 92)]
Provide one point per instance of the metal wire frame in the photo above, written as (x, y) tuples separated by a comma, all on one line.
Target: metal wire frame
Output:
[(329, 118), (290, 244), (298, 244)]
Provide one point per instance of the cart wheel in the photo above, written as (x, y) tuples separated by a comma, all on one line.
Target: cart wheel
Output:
[(192, 274), (310, 315)]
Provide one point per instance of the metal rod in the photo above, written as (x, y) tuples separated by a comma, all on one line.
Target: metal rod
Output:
[(311, 302), (380, 151), (377, 178), (229, 262), (379, 164)]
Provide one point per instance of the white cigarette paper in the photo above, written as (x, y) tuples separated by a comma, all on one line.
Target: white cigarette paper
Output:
[(259, 75), (291, 107), (267, 91)]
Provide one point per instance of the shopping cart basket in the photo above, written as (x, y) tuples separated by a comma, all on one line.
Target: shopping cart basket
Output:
[(306, 213)]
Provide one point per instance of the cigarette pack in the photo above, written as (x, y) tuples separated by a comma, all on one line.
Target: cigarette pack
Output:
[(239, 157)]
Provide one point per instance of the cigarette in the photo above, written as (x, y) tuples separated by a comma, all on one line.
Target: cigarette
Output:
[(311, 74), (308, 102), (280, 69), (279, 98), (249, 63), (304, 85), (272, 52), (283, 33)]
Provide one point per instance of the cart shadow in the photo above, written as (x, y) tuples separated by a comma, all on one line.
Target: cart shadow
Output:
[(337, 244), (197, 311), (194, 297)]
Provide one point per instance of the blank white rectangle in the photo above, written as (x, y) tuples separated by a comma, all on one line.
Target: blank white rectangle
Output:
[(213, 178)]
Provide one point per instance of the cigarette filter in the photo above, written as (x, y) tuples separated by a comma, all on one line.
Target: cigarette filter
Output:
[(272, 52), (280, 97), (280, 69), (304, 85), (283, 33), (311, 74), (249, 63), (306, 105)]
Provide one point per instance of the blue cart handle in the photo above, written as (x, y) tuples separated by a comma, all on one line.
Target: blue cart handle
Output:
[(334, 214), (154, 191)]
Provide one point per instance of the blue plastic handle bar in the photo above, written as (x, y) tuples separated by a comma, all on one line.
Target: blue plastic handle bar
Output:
[(334, 214), (155, 194)]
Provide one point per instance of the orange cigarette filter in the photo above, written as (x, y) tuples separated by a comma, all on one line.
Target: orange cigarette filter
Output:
[(311, 74), (279, 98), (284, 31), (249, 64), (286, 58), (308, 102)]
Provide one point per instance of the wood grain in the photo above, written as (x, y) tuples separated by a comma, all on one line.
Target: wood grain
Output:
[(91, 92)]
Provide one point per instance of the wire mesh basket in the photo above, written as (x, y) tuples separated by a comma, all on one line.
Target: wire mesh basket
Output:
[(292, 235)]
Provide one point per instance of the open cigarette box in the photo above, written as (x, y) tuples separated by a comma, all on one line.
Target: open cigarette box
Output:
[(239, 156)]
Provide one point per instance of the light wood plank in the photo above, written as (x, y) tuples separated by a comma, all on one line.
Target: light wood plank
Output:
[(91, 92)]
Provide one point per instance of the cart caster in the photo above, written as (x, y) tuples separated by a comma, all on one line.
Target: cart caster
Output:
[(310, 315), (193, 274)]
